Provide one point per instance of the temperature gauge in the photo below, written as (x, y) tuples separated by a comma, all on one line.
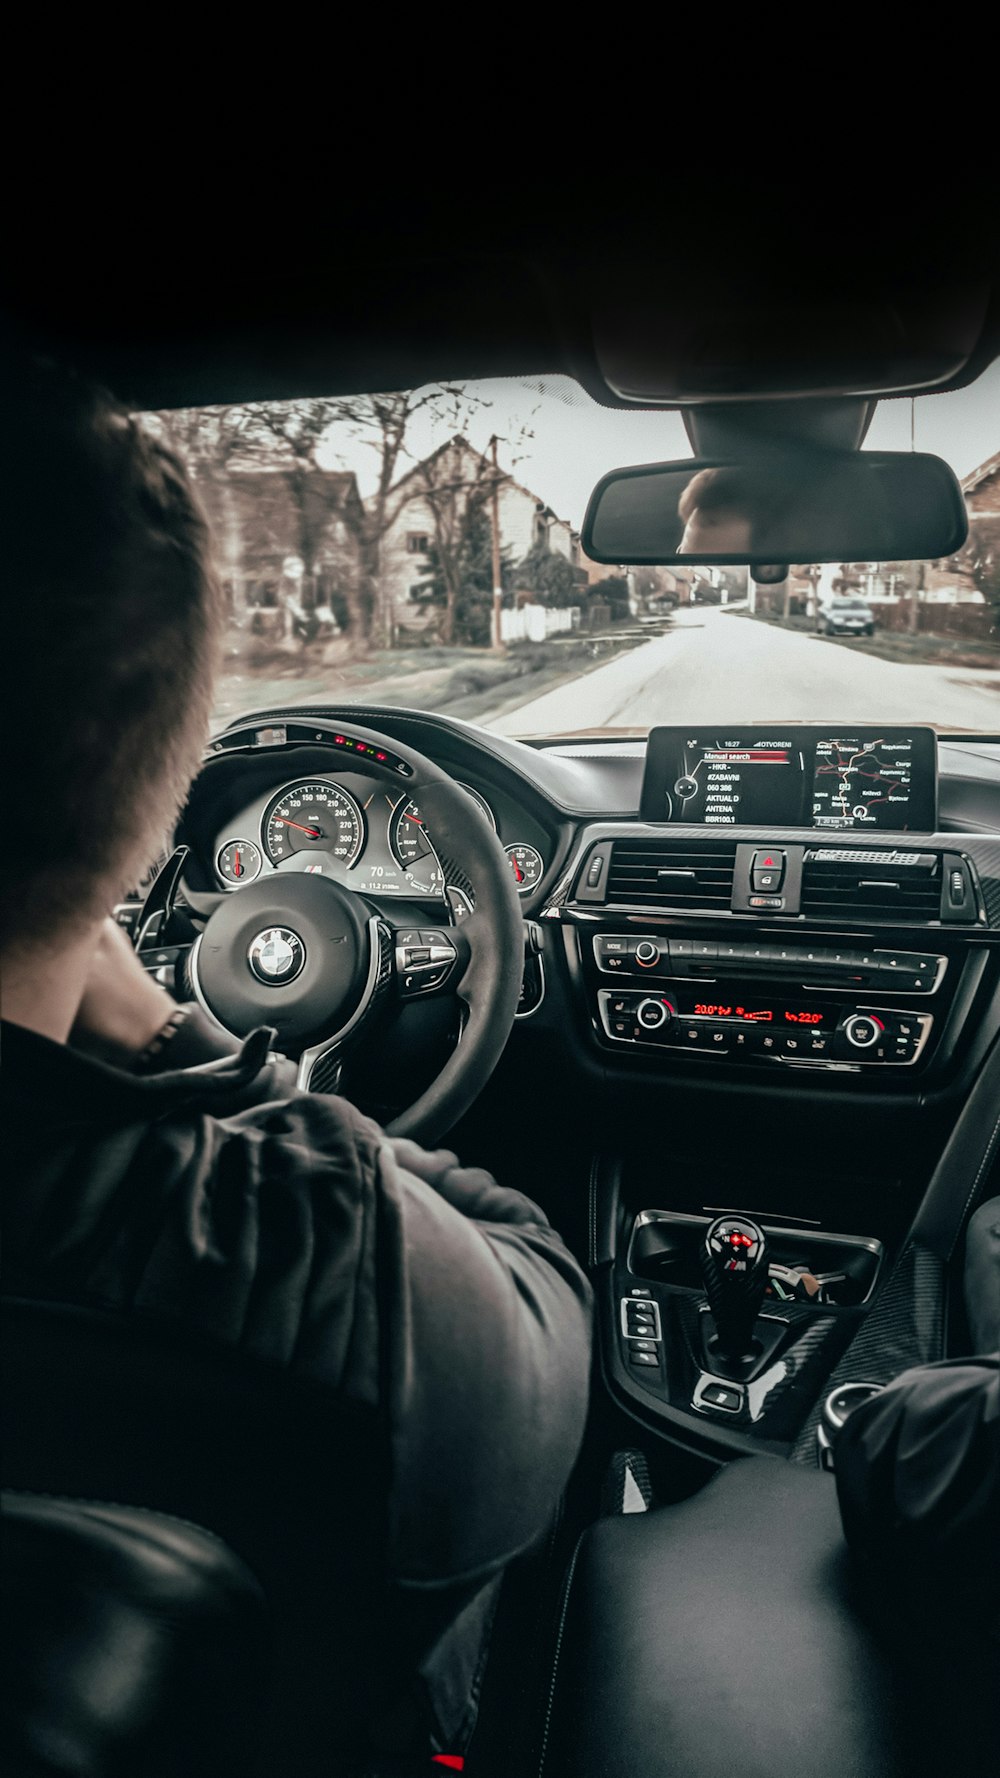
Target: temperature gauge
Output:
[(238, 862), (527, 865)]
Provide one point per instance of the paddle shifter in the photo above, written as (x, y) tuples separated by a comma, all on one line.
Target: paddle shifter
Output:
[(734, 1264)]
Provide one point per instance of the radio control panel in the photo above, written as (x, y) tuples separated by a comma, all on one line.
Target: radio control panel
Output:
[(656, 954)]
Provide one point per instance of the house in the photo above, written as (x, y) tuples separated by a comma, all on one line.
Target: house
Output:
[(284, 533), (425, 510)]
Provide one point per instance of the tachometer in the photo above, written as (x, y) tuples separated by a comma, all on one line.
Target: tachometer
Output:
[(313, 816), (412, 849)]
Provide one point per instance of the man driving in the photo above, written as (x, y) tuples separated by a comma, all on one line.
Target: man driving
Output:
[(156, 1168)]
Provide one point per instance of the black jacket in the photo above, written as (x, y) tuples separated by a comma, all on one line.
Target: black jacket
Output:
[(278, 1222)]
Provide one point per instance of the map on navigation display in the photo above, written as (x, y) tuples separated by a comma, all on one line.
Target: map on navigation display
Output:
[(860, 783)]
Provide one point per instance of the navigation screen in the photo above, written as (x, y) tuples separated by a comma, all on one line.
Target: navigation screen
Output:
[(859, 778), (860, 783)]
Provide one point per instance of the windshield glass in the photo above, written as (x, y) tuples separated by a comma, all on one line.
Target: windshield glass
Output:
[(423, 549)]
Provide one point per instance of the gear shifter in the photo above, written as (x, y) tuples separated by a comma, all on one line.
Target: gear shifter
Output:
[(734, 1264)]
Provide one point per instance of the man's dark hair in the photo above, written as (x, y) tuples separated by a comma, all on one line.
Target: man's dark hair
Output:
[(111, 617)]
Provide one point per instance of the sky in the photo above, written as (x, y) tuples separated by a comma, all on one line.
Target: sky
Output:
[(558, 441)]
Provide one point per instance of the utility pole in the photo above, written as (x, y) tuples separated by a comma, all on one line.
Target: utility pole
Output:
[(496, 637)]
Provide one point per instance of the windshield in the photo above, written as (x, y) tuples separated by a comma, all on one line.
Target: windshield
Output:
[(423, 549)]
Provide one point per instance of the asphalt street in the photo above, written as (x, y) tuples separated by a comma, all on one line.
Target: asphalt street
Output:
[(716, 665)]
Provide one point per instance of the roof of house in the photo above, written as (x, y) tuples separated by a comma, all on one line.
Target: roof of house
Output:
[(462, 444), (976, 477)]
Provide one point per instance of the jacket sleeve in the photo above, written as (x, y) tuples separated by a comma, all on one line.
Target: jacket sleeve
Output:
[(918, 1480), (487, 1319)]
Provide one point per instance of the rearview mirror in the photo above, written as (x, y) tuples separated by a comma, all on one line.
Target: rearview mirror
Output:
[(830, 506)]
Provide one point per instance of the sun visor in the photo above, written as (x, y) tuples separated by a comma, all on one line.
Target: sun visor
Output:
[(713, 337)]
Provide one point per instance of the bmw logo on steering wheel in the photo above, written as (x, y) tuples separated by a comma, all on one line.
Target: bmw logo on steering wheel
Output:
[(276, 956)]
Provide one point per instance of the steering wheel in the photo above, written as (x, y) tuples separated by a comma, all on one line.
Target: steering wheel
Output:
[(299, 951)]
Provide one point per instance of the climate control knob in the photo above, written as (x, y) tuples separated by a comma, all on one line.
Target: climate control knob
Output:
[(652, 1015), (863, 1029), (647, 953)]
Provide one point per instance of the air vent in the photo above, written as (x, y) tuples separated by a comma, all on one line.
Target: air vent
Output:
[(873, 889), (659, 875)]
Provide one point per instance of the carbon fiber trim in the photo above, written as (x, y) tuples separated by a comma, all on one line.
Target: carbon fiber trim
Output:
[(905, 1328)]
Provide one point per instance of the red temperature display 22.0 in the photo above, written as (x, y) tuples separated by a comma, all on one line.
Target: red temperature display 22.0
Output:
[(759, 1015)]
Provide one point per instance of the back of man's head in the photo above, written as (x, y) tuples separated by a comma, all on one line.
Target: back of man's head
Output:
[(110, 626)]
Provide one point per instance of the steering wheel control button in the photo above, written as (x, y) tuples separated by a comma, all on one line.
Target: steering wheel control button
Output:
[(276, 956), (424, 960)]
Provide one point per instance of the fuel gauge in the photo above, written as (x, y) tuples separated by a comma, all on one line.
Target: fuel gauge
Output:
[(238, 863)]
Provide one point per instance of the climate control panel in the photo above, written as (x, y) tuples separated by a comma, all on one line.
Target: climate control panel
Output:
[(743, 1026)]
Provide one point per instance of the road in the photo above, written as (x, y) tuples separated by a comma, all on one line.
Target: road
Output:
[(718, 666)]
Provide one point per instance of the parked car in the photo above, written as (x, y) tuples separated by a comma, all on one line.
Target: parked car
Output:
[(847, 617)]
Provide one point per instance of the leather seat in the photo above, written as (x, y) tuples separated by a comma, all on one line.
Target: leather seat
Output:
[(728, 1637), (99, 1407), (131, 1643)]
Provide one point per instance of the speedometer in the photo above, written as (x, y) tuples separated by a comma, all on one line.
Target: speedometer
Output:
[(313, 815)]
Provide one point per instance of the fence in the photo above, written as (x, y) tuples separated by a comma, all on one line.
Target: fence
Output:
[(533, 623), (937, 618)]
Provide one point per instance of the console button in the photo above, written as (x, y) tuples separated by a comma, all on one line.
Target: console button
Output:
[(863, 1031), (721, 1395), (681, 950), (767, 869), (611, 947), (768, 1043), (818, 1043), (693, 1036), (623, 1027), (643, 1345), (643, 1357), (717, 1037), (729, 953), (613, 963), (704, 949), (741, 1042), (647, 953), (653, 1014), (794, 1043), (902, 1049)]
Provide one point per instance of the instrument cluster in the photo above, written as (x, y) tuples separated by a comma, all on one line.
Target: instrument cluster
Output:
[(358, 830)]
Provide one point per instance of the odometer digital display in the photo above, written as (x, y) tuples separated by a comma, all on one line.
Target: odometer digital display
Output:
[(317, 816)]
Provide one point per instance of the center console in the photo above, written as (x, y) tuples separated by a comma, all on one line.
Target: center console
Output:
[(781, 966)]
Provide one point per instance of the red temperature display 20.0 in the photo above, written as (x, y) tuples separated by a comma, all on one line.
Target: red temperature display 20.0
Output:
[(754, 1014)]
